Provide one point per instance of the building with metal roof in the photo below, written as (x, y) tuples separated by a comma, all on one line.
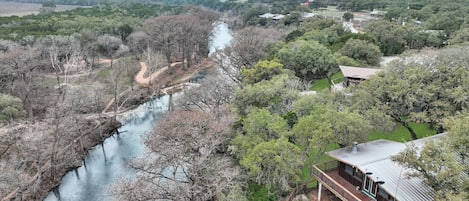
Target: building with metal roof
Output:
[(368, 167)]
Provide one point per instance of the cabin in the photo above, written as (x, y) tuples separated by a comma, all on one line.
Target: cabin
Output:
[(365, 172), (354, 75)]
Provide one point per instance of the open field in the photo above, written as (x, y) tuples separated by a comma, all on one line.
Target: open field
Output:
[(8, 8)]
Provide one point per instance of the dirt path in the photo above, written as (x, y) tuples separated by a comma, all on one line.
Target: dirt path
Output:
[(145, 81)]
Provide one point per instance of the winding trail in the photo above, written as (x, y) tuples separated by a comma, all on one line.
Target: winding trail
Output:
[(145, 81)]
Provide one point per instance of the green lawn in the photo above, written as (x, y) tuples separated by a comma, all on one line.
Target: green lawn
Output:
[(401, 134), (320, 85)]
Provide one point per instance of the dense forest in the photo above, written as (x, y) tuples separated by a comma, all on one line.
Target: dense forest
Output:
[(247, 131)]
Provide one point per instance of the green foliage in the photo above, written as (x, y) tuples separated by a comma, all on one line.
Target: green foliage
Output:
[(390, 36), (104, 19), (347, 16), (394, 13), (275, 95), (442, 164), (263, 70), (318, 23), (317, 35), (458, 134), (291, 118), (400, 133), (429, 162), (11, 108), (260, 192), (460, 36), (274, 163), (292, 19), (236, 192), (48, 3), (345, 60), (259, 125), (448, 21), (320, 85), (308, 59), (326, 125), (293, 35), (251, 16), (362, 51), (340, 42)]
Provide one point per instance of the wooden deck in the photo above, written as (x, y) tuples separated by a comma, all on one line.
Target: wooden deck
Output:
[(334, 174), (344, 190)]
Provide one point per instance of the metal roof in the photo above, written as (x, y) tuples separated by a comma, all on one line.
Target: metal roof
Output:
[(356, 72), (375, 157)]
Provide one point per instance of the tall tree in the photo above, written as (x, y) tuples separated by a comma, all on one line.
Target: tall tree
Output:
[(275, 163), (362, 51), (390, 36), (309, 60), (442, 164), (249, 46), (185, 161), (20, 67), (109, 46), (277, 95), (214, 92)]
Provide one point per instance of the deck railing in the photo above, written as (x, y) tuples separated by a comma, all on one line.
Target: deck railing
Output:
[(338, 190)]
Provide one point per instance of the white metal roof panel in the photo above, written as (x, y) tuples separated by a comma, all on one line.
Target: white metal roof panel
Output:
[(375, 157)]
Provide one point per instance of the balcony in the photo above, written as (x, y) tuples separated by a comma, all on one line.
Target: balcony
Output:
[(327, 174)]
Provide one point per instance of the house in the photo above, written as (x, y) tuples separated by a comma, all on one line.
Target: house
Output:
[(377, 13), (355, 75), (274, 17), (366, 172)]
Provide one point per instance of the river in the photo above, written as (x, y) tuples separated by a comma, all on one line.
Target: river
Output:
[(106, 163)]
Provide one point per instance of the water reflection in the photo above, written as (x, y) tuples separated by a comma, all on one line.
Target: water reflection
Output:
[(107, 162)]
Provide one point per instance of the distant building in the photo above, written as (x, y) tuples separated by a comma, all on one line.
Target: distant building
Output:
[(274, 17), (307, 15), (366, 172), (354, 75), (377, 13)]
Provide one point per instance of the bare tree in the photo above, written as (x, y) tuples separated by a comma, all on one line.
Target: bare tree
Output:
[(248, 48), (138, 42), (19, 68), (162, 31), (89, 47), (115, 79), (185, 38), (109, 46), (184, 160), (213, 93)]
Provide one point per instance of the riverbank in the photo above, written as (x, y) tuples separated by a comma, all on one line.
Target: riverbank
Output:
[(38, 175)]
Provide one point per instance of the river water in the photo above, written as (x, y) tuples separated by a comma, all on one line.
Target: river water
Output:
[(106, 163)]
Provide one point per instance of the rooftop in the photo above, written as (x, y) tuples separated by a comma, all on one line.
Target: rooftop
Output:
[(356, 72), (375, 157)]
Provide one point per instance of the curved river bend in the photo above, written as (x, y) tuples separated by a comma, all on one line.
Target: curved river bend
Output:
[(106, 163)]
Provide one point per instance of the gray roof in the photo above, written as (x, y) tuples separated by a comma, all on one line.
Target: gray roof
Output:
[(356, 72), (375, 157)]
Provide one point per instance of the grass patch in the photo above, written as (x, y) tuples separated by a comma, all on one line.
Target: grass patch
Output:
[(401, 134), (103, 74), (259, 192), (320, 85)]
